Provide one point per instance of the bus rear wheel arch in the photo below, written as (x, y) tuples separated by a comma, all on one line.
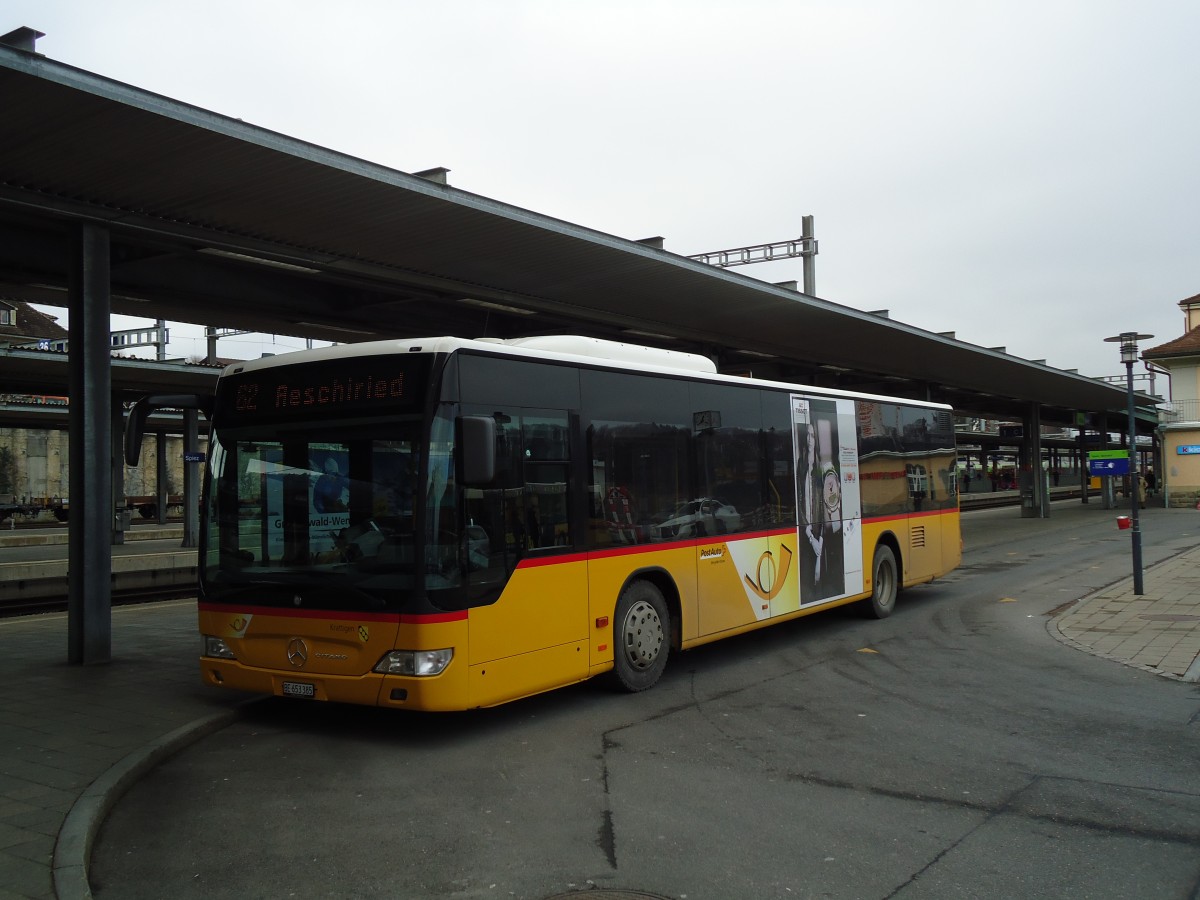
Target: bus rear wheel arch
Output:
[(642, 633)]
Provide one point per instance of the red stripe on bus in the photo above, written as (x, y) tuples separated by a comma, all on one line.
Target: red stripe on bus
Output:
[(708, 541), (898, 517), (551, 560), (634, 549), (459, 615)]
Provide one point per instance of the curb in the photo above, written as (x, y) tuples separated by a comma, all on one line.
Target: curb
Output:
[(1192, 675), (73, 849)]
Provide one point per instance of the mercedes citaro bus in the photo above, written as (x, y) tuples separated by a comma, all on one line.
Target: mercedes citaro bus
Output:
[(443, 524)]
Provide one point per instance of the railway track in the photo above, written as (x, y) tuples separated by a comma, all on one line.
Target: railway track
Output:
[(42, 585), (33, 606), (968, 502)]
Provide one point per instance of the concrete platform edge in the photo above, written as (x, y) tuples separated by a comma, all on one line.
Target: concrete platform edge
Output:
[(73, 849)]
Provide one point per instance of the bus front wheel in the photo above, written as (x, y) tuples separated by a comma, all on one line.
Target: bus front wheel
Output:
[(885, 582), (640, 637)]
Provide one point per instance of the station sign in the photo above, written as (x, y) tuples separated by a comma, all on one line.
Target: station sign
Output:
[(193, 456), (1108, 467), (1108, 462), (1188, 450), (1011, 431)]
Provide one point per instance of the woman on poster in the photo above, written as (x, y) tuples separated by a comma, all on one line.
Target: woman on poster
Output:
[(831, 579), (809, 513)]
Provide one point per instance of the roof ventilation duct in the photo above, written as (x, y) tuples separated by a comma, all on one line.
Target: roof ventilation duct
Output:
[(22, 38), (437, 176)]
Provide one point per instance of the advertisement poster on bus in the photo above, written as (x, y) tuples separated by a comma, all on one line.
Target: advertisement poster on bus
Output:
[(828, 503), (328, 498), (328, 490)]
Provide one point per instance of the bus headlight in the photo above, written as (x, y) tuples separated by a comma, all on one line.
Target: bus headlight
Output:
[(215, 646), (415, 662)]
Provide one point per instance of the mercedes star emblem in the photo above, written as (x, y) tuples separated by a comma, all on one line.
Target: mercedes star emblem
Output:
[(297, 653)]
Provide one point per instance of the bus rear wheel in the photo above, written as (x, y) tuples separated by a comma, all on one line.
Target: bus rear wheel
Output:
[(885, 583), (640, 637)]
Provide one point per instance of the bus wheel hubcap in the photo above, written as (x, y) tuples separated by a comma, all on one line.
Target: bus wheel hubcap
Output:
[(642, 635)]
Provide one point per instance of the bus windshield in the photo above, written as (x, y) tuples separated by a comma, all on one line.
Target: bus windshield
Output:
[(331, 508)]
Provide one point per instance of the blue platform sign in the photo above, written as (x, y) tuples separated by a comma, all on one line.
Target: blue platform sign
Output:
[(1187, 450), (193, 456), (1108, 466)]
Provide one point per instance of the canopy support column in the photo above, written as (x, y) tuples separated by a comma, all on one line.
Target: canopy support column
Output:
[(89, 571), (191, 478), (1032, 477), (161, 476)]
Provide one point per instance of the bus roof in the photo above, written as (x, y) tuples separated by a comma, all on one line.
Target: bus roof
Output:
[(575, 349)]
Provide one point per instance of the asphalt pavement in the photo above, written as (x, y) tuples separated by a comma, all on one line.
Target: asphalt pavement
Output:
[(76, 738)]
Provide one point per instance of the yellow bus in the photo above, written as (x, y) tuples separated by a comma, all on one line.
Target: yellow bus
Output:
[(444, 524)]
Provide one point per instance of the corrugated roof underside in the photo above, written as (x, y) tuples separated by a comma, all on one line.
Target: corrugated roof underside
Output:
[(167, 162)]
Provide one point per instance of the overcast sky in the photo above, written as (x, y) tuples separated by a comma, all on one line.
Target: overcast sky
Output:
[(1025, 174)]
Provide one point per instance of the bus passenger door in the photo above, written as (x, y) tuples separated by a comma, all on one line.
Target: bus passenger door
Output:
[(784, 588), (519, 537), (736, 581)]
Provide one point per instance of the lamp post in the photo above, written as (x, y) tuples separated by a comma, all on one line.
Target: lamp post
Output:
[(1129, 352)]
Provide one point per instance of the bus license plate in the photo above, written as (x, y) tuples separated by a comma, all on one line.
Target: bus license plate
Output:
[(299, 689)]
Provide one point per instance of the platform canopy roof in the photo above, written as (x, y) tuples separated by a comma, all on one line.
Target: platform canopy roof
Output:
[(215, 221)]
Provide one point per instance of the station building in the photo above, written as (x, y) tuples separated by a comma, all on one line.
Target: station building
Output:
[(1180, 419)]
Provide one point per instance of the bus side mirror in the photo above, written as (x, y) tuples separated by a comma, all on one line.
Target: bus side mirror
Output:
[(477, 449), (135, 425)]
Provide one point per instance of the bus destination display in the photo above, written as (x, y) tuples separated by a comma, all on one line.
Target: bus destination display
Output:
[(374, 384)]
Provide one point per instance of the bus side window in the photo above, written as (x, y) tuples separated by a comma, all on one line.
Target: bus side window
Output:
[(779, 480), (727, 442), (546, 477)]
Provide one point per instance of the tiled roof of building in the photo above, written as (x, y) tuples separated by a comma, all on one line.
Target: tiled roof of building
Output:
[(30, 325), (1188, 345)]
